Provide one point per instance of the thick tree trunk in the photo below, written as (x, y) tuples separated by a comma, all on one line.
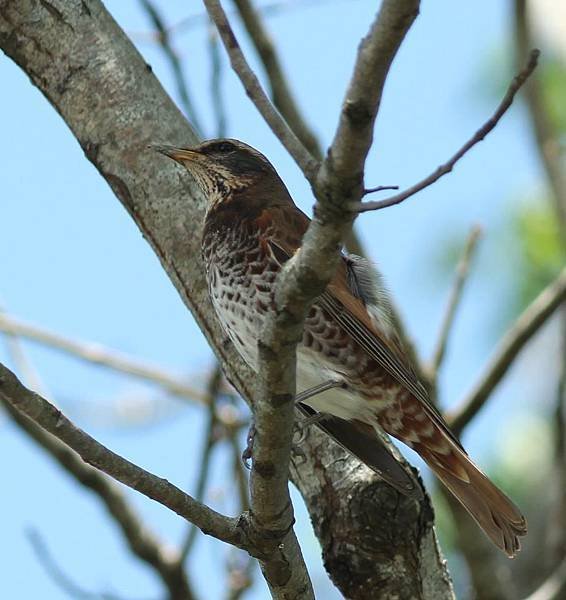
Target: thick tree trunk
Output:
[(375, 543)]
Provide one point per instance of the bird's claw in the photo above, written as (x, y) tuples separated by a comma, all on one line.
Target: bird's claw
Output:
[(247, 454)]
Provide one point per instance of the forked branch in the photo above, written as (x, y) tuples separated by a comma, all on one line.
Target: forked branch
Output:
[(480, 134), (52, 420)]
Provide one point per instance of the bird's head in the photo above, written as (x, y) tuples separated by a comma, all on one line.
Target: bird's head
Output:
[(222, 167)]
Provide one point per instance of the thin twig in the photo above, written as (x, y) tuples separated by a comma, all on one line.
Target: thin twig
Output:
[(241, 577), (462, 271), (99, 355), (340, 178), (212, 392), (380, 188), (164, 39), (58, 576), (447, 167), (52, 420), (216, 70), (530, 321), (256, 93), (269, 9), (281, 94), (24, 366)]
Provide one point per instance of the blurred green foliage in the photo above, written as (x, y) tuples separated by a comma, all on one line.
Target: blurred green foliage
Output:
[(552, 75), (534, 227)]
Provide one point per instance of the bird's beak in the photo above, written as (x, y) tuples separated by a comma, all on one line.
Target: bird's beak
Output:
[(178, 154)]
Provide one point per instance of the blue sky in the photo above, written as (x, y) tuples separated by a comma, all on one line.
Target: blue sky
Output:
[(71, 260)]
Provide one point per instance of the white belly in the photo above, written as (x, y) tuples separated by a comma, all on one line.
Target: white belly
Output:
[(336, 401)]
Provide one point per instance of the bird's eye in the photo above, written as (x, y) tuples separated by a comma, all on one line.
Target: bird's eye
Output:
[(223, 147)]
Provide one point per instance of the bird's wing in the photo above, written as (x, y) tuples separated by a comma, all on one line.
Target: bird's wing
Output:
[(340, 301), (361, 440), (351, 312)]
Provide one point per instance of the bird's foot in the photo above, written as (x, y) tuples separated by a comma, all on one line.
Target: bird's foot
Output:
[(301, 427), (248, 450)]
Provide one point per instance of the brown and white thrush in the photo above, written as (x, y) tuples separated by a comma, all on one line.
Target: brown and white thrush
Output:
[(252, 227)]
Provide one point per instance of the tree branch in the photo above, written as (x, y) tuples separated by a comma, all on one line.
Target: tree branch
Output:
[(99, 355), (210, 438), (256, 93), (172, 58), (284, 101), (343, 168), (307, 273), (140, 540), (280, 91), (216, 70), (532, 319), (480, 134), (58, 576), (462, 271), (93, 453)]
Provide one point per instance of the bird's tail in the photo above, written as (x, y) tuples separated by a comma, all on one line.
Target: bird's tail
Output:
[(494, 512), (421, 426)]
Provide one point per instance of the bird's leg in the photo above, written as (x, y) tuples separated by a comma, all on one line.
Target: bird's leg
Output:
[(318, 389), (301, 426)]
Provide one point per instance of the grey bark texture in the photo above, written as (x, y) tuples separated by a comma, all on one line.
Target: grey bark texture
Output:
[(376, 544)]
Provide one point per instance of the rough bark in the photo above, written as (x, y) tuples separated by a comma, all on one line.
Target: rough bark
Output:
[(376, 545)]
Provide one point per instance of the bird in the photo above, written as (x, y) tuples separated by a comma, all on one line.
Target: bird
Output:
[(353, 372)]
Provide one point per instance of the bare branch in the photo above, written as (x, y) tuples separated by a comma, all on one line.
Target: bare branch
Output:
[(462, 271), (141, 541), (58, 576), (284, 101), (92, 452), (256, 93), (212, 392), (280, 91), (172, 57), (380, 188), (532, 319), (216, 69), (271, 510), (343, 167), (21, 363), (306, 275), (267, 9), (240, 572), (99, 355), (480, 134)]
